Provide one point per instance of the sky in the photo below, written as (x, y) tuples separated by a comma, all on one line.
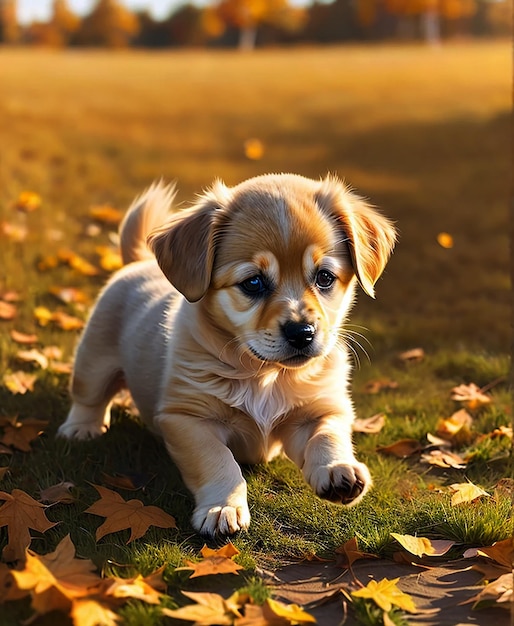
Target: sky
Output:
[(39, 10)]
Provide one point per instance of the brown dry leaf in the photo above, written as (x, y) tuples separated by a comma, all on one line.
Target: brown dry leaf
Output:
[(122, 514), (456, 428), (7, 311), (58, 493), (3, 471), (32, 356), (466, 492), (370, 425), (215, 562), (23, 338), (28, 201), (106, 214), (443, 458), (471, 396), (89, 612), (350, 553), (402, 448), (19, 513), (56, 579), (210, 609), (420, 546), (69, 295), (501, 551), (412, 356), (498, 593), (376, 386), (148, 589), (8, 589), (20, 382), (120, 481), (19, 433)]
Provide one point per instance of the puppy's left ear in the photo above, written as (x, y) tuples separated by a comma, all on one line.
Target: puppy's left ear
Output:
[(371, 236), (184, 246)]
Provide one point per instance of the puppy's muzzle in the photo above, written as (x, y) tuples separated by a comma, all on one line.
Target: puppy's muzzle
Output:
[(299, 335)]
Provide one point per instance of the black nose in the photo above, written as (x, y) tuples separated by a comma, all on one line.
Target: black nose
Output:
[(299, 335)]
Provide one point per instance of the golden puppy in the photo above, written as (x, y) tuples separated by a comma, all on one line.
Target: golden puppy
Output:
[(230, 338)]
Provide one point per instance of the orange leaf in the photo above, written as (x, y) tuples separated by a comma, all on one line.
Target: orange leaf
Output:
[(254, 149), (19, 382), (456, 428), (106, 214), (501, 551), (443, 458), (351, 553), (89, 612), (58, 493), (7, 311), (19, 433), (19, 513), (148, 589), (402, 448), (209, 609), (23, 338), (69, 295), (122, 514), (445, 240), (228, 551), (28, 201)]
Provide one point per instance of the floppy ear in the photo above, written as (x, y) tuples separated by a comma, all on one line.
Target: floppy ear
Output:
[(184, 248), (371, 236)]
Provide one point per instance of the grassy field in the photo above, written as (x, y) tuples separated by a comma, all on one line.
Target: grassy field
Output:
[(423, 132)]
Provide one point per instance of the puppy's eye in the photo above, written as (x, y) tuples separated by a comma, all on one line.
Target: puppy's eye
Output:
[(324, 279), (254, 286)]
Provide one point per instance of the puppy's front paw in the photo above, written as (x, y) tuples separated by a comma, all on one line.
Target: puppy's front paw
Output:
[(342, 483), (221, 520), (80, 431)]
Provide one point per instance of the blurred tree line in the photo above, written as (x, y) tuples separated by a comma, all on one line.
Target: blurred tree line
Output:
[(247, 23)]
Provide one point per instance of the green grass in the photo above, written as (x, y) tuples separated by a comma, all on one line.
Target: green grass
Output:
[(422, 132)]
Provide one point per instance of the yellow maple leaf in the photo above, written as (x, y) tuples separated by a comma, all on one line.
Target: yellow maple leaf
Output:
[(466, 492), (385, 594), (89, 612), (420, 546), (291, 612), (209, 609)]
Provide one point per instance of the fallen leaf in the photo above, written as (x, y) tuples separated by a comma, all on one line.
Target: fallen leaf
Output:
[(209, 609), (19, 513), (402, 448), (19, 433), (382, 384), (412, 356), (110, 260), (32, 356), (69, 295), (228, 551), (445, 240), (23, 338), (443, 458), (147, 589), (385, 594), (120, 481), (106, 214), (420, 546), (254, 149), (456, 428), (350, 553), (122, 514), (7, 311), (56, 579), (77, 262), (59, 493), (89, 612), (501, 551), (15, 232), (370, 425), (470, 395), (28, 201), (496, 593), (20, 382), (466, 492), (67, 322), (43, 315), (214, 562)]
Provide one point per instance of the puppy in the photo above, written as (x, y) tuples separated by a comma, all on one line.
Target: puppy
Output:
[(229, 338)]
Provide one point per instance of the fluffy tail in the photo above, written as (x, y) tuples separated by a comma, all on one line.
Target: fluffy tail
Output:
[(147, 212)]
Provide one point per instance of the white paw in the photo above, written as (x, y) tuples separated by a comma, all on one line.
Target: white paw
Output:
[(74, 430), (340, 482), (221, 520)]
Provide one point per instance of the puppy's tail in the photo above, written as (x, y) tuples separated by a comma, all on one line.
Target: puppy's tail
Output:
[(147, 212)]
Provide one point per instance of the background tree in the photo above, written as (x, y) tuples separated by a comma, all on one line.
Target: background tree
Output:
[(9, 29), (247, 15), (59, 30), (109, 24)]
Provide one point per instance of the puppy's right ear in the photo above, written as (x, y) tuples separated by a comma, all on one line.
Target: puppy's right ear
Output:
[(184, 247)]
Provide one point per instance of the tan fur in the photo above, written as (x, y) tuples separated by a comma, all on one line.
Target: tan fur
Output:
[(224, 376)]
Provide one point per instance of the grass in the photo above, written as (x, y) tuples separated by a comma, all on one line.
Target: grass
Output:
[(422, 132)]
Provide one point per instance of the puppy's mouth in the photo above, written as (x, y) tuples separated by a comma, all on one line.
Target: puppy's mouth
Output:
[(295, 360)]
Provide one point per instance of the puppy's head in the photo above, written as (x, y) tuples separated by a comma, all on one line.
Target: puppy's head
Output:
[(274, 262)]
